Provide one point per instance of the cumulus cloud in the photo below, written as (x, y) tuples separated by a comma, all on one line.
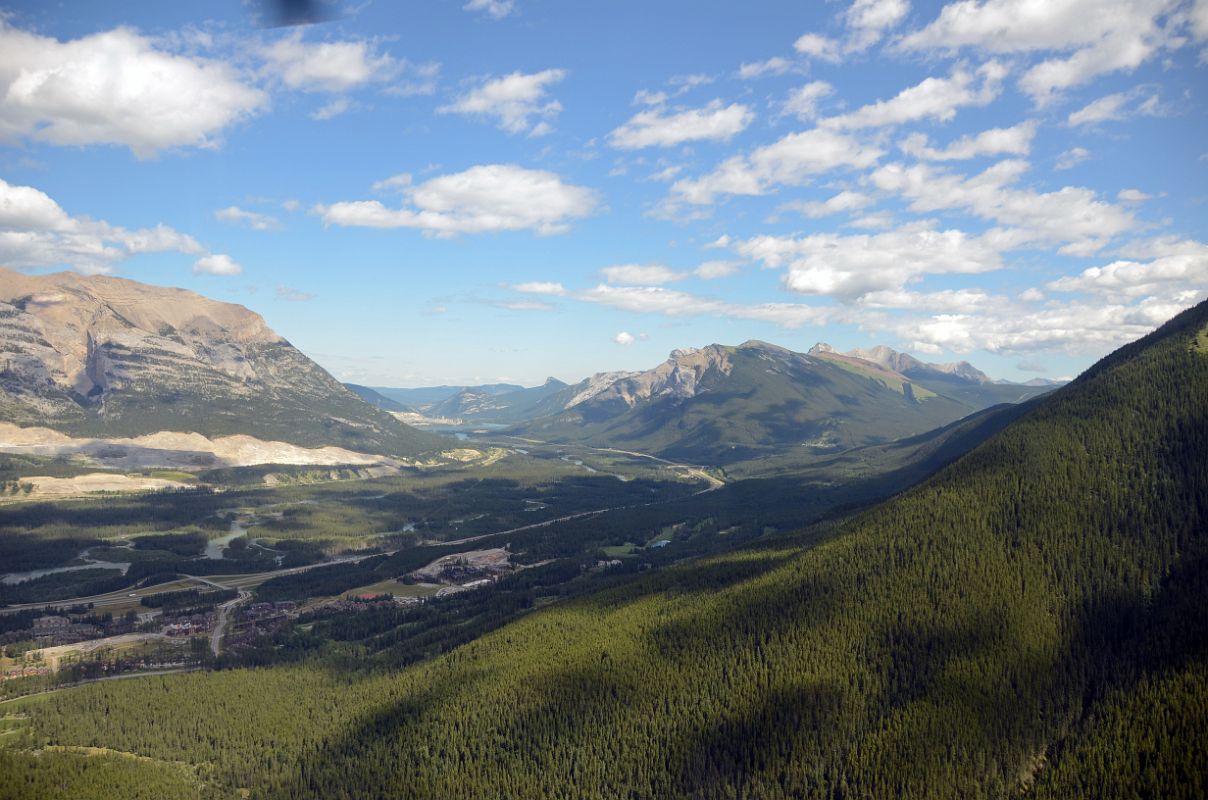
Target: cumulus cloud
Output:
[(802, 102), (1086, 38), (661, 128), (327, 66), (791, 161), (35, 231), (1015, 141), (851, 267), (249, 219), (820, 47), (217, 264), (933, 98), (1178, 267), (624, 338), (867, 22), (495, 9), (1075, 327), (513, 101), (117, 88), (1073, 217), (482, 199)]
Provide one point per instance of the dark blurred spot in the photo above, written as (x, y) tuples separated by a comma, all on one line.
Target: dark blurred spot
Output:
[(282, 13)]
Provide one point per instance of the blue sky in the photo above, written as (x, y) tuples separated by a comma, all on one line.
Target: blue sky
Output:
[(461, 192)]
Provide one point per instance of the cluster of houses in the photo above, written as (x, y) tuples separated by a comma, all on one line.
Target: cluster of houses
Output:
[(191, 625), (50, 631), (23, 671)]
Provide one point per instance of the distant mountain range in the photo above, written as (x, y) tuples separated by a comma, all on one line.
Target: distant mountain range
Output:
[(720, 404), (108, 357)]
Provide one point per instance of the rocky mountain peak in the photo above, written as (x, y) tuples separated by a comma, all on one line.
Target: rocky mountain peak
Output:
[(103, 356)]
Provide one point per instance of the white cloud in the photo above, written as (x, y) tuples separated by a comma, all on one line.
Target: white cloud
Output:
[(513, 100), (217, 264), (667, 173), (482, 199), (541, 287), (117, 88), (947, 301), (332, 110), (840, 203), (712, 270), (683, 83), (35, 231), (1113, 107), (642, 274), (624, 338), (851, 267), (1179, 267), (495, 9), (394, 183), (1098, 38), (657, 274), (933, 98), (867, 22), (658, 128), (1072, 216), (1076, 327), (803, 101), (659, 300), (1072, 158), (773, 66), (819, 47), (251, 219), (877, 221), (791, 161), (877, 15), (1133, 196), (645, 97), (1016, 141), (327, 66)]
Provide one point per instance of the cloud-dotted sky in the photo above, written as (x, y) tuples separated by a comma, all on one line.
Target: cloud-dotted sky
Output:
[(509, 189)]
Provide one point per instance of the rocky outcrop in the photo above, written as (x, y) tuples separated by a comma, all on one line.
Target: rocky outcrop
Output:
[(105, 356)]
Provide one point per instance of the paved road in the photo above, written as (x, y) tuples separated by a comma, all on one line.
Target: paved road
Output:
[(220, 622)]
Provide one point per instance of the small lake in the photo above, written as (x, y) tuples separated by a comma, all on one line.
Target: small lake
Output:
[(216, 547)]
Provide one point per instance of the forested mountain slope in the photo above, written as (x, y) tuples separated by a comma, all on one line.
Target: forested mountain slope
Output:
[(1028, 621)]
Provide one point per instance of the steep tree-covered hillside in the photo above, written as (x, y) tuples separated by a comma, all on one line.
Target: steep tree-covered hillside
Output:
[(1028, 621)]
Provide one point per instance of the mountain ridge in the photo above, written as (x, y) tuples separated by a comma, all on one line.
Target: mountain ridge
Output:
[(106, 356)]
